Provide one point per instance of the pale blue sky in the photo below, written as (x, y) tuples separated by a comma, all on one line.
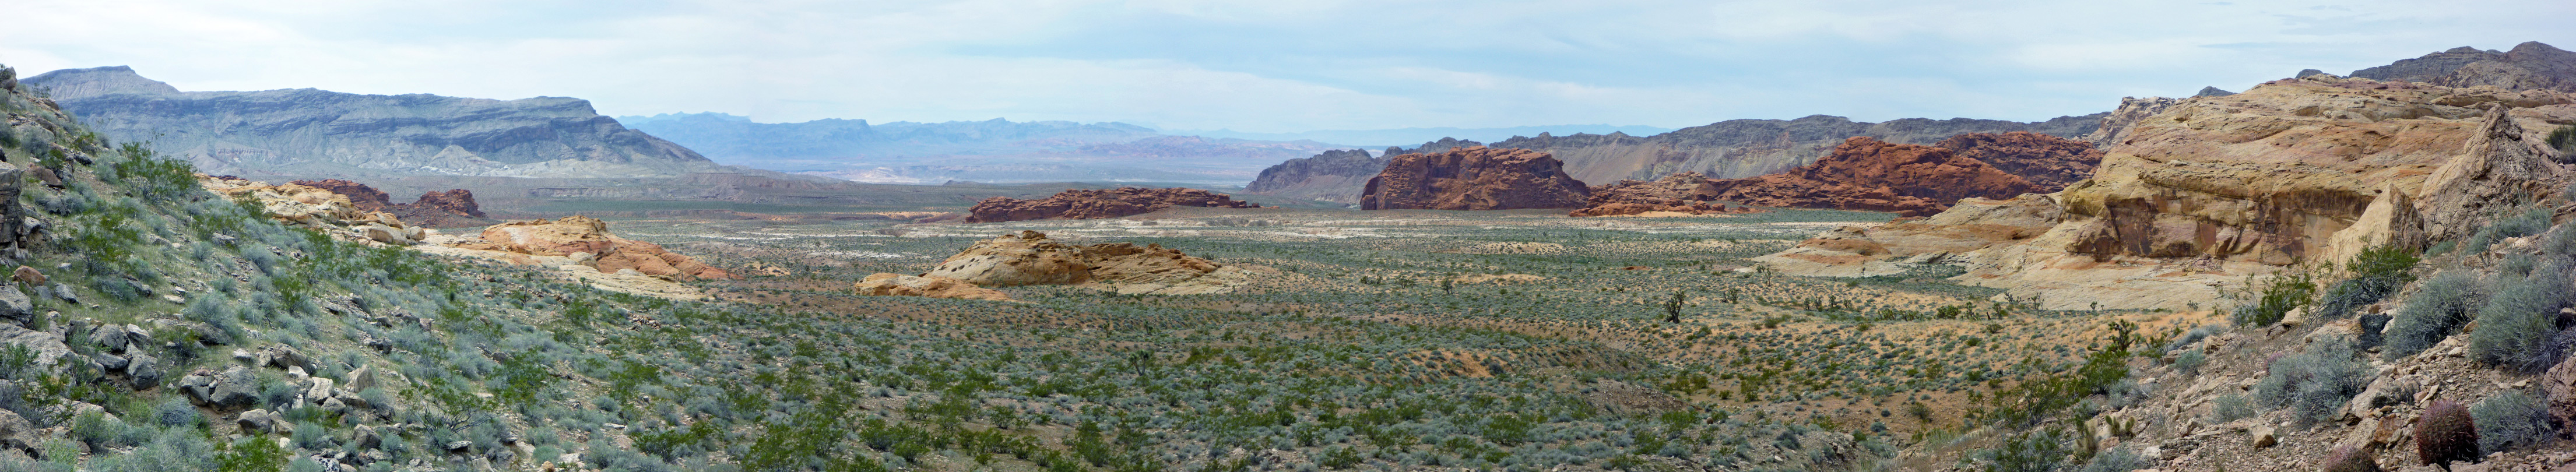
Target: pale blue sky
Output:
[(1269, 66)]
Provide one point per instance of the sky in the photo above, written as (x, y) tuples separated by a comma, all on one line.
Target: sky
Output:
[(1269, 66)]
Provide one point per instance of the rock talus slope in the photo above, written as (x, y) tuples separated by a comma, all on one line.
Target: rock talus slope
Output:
[(1081, 204), (1473, 178), (2212, 190)]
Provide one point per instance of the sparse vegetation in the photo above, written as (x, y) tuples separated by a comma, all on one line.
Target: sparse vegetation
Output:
[(2314, 383), (2439, 307), (2511, 419)]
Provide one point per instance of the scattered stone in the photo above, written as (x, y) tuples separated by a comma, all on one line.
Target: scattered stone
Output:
[(29, 276), (263, 421), (236, 387), (2262, 436)]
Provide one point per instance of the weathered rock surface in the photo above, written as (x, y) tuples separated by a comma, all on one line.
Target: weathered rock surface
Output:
[(1030, 258), (2114, 128), (1686, 193), (900, 285), (1868, 174), (586, 241), (1337, 176), (1081, 204), (2529, 66), (2050, 162), (2214, 190), (319, 209), (1473, 178), (1747, 148), (319, 132), (441, 209)]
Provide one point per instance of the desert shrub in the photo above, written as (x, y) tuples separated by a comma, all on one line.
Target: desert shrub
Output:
[(2189, 362), (2564, 139), (2446, 433), (2515, 324), (2561, 240), (2116, 460), (175, 412), (2276, 297), (2436, 310), (2347, 459), (2374, 274), (2314, 383), (2035, 451), (2510, 419), (2524, 223)]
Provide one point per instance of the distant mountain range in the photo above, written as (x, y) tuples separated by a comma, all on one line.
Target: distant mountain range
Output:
[(990, 151), (1401, 136), (311, 132)]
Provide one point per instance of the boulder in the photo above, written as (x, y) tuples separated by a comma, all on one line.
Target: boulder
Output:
[(16, 307), (235, 387), (144, 371), (1473, 178), (918, 286), (48, 347), (1081, 204), (263, 421), (1030, 258), (17, 433), (29, 276)]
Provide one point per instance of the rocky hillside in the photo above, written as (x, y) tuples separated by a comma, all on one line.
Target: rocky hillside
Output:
[(1686, 193), (1872, 175), (2529, 66), (1335, 176), (1081, 204), (1746, 148), (309, 132), (1473, 178)]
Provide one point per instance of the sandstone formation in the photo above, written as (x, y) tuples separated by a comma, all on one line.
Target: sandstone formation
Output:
[(2050, 162), (1747, 148), (1337, 176), (586, 241), (2114, 127), (2214, 190), (2529, 66), (1872, 175), (1686, 193), (1080, 204), (900, 285), (318, 132), (1473, 178), (1030, 258), (320, 210), (442, 209)]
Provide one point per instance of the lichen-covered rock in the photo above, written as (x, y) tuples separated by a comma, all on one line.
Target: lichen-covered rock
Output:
[(1872, 175), (900, 285), (1473, 178), (1082, 204)]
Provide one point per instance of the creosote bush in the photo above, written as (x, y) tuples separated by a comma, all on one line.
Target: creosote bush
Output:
[(2446, 433)]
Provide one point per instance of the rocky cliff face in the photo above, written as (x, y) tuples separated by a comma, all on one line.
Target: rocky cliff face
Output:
[(2050, 162), (441, 209), (2529, 66), (1746, 148), (1080, 204), (2114, 127), (1873, 175), (1686, 193), (1335, 176), (308, 132), (2213, 189), (1473, 178)]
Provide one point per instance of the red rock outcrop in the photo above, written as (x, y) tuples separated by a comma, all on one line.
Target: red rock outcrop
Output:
[(444, 209), (1683, 193), (1474, 178), (586, 241), (2048, 161), (1081, 204), (1872, 175)]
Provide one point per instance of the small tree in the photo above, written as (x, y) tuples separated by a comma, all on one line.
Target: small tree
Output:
[(1673, 308)]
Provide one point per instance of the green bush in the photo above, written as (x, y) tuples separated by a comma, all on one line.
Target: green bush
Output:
[(2315, 383), (2446, 433), (2509, 420), (2374, 274), (2278, 295), (2436, 310), (2525, 223), (2564, 139), (2117, 460), (2515, 324), (2035, 451)]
